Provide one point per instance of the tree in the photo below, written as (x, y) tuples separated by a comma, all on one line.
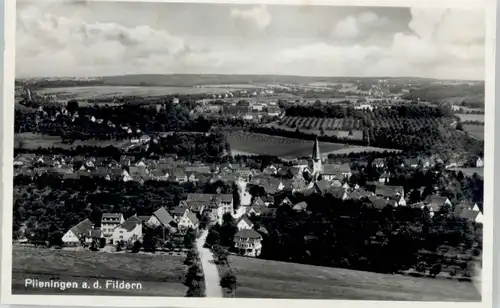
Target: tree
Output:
[(220, 253), (189, 238), (229, 281), (194, 273), (195, 290), (213, 237), (421, 267), (435, 270), (136, 247), (190, 257), (227, 230)]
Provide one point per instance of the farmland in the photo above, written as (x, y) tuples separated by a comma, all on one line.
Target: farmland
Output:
[(34, 141), (272, 279), (474, 130), (244, 143), (101, 92), (471, 117), (160, 275)]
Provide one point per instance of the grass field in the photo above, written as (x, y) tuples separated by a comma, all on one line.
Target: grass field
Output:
[(477, 131), (244, 143), (160, 275), (271, 279), (34, 141), (112, 91), (471, 117), (260, 144)]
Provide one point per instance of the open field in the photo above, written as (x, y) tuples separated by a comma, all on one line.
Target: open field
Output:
[(271, 279), (97, 92), (245, 143), (160, 275), (477, 131), (34, 141), (471, 117)]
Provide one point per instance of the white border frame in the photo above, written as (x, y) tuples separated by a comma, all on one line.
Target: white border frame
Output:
[(7, 109)]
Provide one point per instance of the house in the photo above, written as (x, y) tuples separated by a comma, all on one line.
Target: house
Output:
[(479, 163), (248, 242), (412, 163), (338, 193), (300, 207), (322, 186), (387, 192), (471, 215), (384, 178), (145, 139), (358, 194), (188, 221), (379, 162), (161, 218), (178, 213), (109, 221), (435, 203), (244, 223), (82, 232), (179, 176), (129, 230), (398, 200), (336, 171), (218, 204)]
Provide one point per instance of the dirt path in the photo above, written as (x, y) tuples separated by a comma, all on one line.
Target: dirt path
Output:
[(212, 280)]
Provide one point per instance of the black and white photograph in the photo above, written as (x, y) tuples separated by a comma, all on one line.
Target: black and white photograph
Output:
[(249, 151)]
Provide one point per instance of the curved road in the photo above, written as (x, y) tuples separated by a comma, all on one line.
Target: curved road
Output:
[(212, 280)]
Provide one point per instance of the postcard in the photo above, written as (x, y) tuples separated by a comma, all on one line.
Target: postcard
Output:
[(222, 153)]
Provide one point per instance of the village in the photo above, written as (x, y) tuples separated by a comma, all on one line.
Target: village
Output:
[(260, 193)]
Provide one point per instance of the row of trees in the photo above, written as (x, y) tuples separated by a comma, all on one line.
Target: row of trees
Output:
[(322, 110)]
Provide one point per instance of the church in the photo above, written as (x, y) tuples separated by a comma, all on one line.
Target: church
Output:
[(328, 172)]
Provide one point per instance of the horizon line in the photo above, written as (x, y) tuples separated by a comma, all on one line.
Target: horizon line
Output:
[(255, 75)]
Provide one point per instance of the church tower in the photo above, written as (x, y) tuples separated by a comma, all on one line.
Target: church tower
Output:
[(316, 159)]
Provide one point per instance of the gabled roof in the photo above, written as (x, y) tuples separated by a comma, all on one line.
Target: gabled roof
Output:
[(469, 214), (131, 223), (301, 206), (336, 192), (83, 228), (179, 211), (436, 200), (333, 169), (246, 220), (247, 234), (144, 218), (322, 186), (192, 217), (106, 216), (163, 216)]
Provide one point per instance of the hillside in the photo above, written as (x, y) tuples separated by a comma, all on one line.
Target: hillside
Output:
[(160, 275), (272, 279)]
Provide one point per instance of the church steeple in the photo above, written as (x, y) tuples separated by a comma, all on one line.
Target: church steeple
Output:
[(316, 160), (316, 155)]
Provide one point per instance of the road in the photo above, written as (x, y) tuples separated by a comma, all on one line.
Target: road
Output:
[(212, 280)]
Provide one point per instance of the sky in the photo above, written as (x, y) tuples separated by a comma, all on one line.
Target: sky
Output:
[(87, 38)]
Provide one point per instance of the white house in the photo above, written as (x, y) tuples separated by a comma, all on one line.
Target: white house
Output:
[(479, 163), (188, 221), (244, 223), (129, 230), (109, 221), (145, 138), (161, 218), (82, 231), (248, 242)]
